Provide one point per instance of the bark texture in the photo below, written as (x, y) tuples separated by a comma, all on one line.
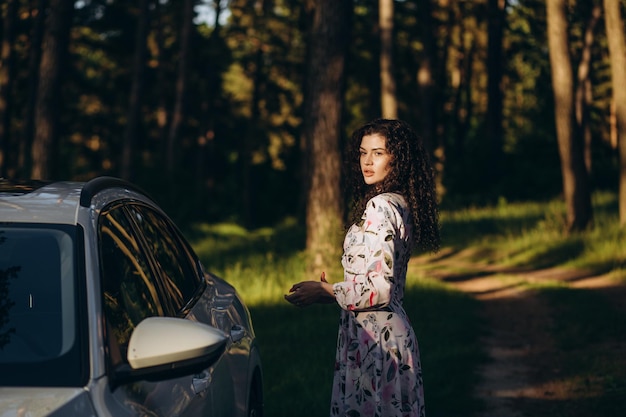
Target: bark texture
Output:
[(322, 129), (575, 181)]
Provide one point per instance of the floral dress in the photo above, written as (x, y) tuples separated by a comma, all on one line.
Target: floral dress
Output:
[(377, 370)]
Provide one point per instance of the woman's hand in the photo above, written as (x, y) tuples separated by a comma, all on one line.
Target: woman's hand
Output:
[(306, 293)]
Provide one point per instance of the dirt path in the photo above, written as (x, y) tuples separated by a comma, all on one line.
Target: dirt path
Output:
[(517, 341)]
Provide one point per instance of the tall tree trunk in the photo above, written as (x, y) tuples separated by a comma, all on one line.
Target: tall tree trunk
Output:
[(51, 69), (181, 87), (38, 17), (445, 31), (575, 181), (205, 157), (322, 129), (463, 102), (461, 84), (162, 111), (136, 92), (389, 103), (304, 167), (617, 49), (7, 73), (583, 85), (251, 139), (426, 84), (495, 25)]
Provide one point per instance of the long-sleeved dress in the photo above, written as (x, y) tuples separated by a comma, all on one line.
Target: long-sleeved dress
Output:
[(377, 370)]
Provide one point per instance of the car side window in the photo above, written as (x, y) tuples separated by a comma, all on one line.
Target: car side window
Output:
[(129, 288), (179, 274)]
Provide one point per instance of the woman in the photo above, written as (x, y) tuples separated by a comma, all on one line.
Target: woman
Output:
[(378, 370)]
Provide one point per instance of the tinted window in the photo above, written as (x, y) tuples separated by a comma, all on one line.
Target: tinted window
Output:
[(129, 288), (178, 272), (39, 301)]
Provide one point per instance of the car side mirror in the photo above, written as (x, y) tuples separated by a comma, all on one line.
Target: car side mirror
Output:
[(167, 347)]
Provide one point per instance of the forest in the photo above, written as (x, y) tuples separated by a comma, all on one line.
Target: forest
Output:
[(236, 110)]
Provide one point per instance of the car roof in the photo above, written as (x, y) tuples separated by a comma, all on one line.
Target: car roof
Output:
[(35, 201)]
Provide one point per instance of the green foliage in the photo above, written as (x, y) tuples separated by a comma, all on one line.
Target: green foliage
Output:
[(238, 156)]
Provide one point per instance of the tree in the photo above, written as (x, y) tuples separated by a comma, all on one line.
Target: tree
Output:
[(258, 32), (7, 70), (136, 91), (206, 158), (583, 83), (495, 25), (426, 82), (38, 17), (322, 127), (182, 82), (574, 173), (389, 103), (617, 49), (47, 110)]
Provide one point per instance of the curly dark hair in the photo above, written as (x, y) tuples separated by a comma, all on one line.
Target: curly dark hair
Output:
[(411, 175)]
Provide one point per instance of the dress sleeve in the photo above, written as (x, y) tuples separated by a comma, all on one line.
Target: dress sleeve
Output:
[(369, 263)]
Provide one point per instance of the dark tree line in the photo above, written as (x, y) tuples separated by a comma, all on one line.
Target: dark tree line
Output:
[(242, 116)]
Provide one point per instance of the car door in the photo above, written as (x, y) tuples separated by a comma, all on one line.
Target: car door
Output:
[(187, 295), (132, 291)]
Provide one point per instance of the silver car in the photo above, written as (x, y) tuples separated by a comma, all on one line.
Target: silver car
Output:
[(105, 310)]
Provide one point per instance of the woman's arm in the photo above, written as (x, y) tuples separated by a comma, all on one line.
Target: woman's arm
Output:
[(369, 265), (306, 293)]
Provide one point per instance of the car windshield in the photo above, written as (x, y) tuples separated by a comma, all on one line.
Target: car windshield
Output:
[(39, 331)]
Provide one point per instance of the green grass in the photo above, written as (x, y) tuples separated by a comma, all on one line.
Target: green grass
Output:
[(298, 345), (532, 235)]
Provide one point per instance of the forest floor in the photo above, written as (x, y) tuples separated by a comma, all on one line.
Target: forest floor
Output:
[(527, 374)]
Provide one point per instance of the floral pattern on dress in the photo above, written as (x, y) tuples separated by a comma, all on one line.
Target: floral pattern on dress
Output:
[(377, 369)]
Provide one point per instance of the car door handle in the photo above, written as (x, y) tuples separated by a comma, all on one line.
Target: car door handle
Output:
[(237, 332), (200, 382)]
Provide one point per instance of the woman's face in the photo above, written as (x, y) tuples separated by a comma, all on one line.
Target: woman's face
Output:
[(375, 159)]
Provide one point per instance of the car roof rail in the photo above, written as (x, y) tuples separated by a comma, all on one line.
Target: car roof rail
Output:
[(92, 187)]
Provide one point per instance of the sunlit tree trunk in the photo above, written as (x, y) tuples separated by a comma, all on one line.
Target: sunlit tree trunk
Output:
[(617, 49), (38, 17), (583, 85), (322, 129), (304, 166), (51, 69), (575, 181), (389, 104), (136, 92), (7, 73)]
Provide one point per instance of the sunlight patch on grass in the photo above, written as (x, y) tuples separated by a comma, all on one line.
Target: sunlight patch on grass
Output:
[(546, 285), (264, 279), (533, 235), (228, 230)]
